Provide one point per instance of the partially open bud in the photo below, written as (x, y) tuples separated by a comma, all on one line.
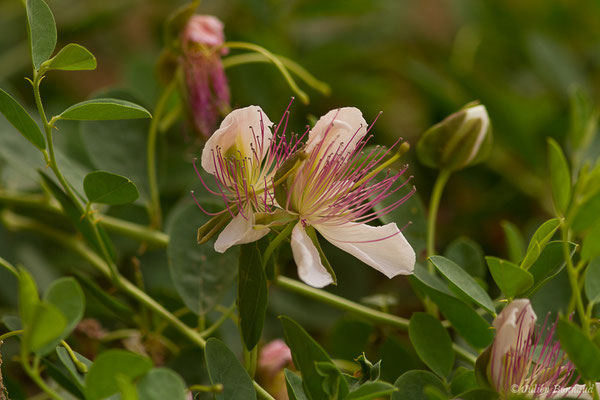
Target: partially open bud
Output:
[(272, 359), (207, 90), (461, 140)]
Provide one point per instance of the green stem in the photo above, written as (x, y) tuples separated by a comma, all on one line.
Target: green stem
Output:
[(75, 245), (10, 334), (155, 211), (573, 278), (434, 204), (9, 267), (341, 303), (297, 69), (35, 376), (276, 242), (81, 367), (250, 360), (211, 329), (276, 61), (218, 388)]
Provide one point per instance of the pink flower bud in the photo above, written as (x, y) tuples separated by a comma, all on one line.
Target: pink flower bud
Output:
[(273, 358), (207, 89)]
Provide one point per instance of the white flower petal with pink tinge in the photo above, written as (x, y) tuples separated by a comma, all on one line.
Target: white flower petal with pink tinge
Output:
[(238, 129), (349, 126), (508, 324), (239, 231), (381, 247), (308, 261)]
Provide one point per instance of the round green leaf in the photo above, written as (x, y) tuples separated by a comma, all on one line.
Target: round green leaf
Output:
[(108, 188), (20, 119), (581, 350), (224, 367), (371, 390), (72, 57), (468, 255), (101, 380), (104, 109), (42, 31), (463, 282), (161, 384), (411, 385), (511, 279), (67, 296), (432, 343), (200, 274), (45, 326)]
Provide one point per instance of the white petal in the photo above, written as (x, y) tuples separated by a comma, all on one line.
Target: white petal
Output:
[(306, 255), (345, 125), (391, 256), (516, 322), (239, 231), (237, 132), (478, 112)]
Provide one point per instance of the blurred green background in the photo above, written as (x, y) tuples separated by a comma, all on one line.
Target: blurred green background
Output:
[(415, 60)]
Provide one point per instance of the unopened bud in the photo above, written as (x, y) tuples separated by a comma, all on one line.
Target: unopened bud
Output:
[(461, 140)]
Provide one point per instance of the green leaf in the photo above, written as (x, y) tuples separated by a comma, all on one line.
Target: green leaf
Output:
[(253, 294), (588, 214), (480, 394), (581, 350), (104, 109), (432, 343), (65, 359), (537, 243), (560, 176), (102, 379), (468, 255), (28, 296), (463, 282), (45, 326), (200, 274), (514, 241), (583, 119), (590, 248), (305, 352), (42, 31), (294, 386), (511, 279), (332, 379), (126, 388), (108, 301), (83, 225), (592, 281), (161, 384), (72, 57), (224, 367), (67, 296), (548, 265), (466, 321), (464, 379), (21, 120), (176, 21), (371, 390), (411, 385), (108, 188)]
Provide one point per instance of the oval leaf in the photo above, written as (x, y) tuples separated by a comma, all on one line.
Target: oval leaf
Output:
[(252, 294), (432, 343), (511, 279), (411, 385), (67, 296), (592, 281), (463, 282), (468, 255), (224, 367), (371, 390), (20, 119), (45, 326), (104, 109), (200, 274), (108, 188), (161, 384), (72, 57), (590, 248), (294, 386), (514, 241), (560, 176), (102, 379), (42, 31), (537, 243), (581, 350)]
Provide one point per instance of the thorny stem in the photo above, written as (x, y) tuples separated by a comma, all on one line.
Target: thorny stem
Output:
[(155, 210)]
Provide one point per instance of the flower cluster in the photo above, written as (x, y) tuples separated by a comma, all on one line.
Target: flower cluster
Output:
[(332, 183), (526, 360)]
